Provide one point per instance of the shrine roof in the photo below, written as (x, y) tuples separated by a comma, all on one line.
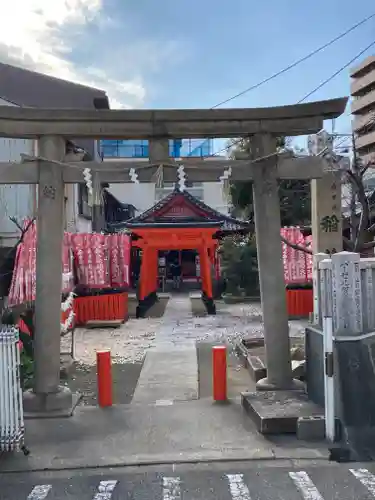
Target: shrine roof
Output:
[(174, 224), (180, 207)]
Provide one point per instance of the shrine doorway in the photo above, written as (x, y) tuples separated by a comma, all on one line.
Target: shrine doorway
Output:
[(189, 268)]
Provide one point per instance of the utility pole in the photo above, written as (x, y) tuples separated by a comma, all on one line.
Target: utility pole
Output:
[(352, 206)]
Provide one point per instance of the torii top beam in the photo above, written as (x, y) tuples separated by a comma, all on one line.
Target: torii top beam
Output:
[(297, 119)]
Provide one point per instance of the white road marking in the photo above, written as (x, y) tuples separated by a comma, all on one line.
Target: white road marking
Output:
[(105, 490), (237, 487), (366, 478), (39, 492), (171, 488), (163, 402), (305, 486)]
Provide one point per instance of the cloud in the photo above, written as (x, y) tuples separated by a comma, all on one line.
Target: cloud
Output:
[(54, 37)]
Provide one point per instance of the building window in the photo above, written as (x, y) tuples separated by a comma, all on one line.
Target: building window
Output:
[(84, 202)]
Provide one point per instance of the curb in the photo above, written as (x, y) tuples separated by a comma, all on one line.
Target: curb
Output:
[(274, 457)]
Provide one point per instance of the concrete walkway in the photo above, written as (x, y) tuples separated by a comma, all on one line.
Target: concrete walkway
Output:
[(147, 434), (170, 369)]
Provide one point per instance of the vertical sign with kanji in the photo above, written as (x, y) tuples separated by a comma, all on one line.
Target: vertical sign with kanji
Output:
[(326, 213), (325, 200)]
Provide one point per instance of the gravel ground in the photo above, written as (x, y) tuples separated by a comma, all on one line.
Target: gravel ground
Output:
[(234, 322), (129, 343), (125, 377)]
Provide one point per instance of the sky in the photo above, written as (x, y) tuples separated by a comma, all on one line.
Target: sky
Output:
[(189, 53)]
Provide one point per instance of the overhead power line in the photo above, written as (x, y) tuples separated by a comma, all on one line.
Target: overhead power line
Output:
[(322, 84), (349, 63), (296, 63)]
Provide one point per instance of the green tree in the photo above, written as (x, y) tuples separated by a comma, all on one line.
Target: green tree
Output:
[(239, 265), (295, 202)]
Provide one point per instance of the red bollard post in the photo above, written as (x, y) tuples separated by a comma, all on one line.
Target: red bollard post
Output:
[(104, 369), (219, 373)]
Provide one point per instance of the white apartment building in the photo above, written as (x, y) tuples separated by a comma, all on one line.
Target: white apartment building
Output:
[(362, 90)]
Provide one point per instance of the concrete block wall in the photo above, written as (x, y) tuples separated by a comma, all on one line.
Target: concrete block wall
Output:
[(345, 290)]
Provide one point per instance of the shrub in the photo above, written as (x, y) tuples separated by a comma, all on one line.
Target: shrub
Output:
[(240, 265)]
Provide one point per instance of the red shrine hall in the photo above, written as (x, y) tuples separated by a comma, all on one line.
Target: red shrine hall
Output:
[(178, 228)]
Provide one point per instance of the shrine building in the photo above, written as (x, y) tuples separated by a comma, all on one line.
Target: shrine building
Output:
[(178, 228)]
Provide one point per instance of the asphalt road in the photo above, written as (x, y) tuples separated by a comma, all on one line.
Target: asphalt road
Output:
[(245, 481)]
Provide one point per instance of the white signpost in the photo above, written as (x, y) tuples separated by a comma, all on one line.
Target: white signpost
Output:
[(325, 267)]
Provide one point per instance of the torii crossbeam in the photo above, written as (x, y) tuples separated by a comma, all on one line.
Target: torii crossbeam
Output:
[(288, 167)]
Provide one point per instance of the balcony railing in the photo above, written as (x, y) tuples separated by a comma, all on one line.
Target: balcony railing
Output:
[(362, 103), (360, 85), (365, 141)]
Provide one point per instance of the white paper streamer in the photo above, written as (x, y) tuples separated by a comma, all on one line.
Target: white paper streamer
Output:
[(88, 179), (65, 306), (181, 178), (133, 176)]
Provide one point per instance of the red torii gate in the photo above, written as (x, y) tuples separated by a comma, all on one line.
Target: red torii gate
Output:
[(177, 237)]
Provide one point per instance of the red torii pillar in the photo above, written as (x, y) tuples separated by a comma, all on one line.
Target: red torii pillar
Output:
[(206, 278), (205, 265), (143, 277), (153, 270)]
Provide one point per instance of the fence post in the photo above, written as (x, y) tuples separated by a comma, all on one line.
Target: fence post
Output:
[(368, 293), (219, 373), (317, 258), (104, 368)]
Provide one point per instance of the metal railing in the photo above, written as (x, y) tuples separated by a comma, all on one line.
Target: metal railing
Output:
[(11, 407)]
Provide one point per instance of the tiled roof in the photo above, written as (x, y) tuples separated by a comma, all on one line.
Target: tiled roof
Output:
[(228, 223)]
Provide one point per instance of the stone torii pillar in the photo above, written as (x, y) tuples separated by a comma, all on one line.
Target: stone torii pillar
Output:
[(98, 219), (158, 150), (270, 264), (47, 395)]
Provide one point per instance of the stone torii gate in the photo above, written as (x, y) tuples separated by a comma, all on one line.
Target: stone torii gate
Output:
[(51, 169)]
